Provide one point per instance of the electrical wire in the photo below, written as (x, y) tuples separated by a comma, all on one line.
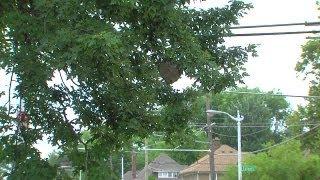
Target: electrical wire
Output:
[(242, 135), (261, 126), (255, 124), (177, 150), (232, 154), (267, 94), (274, 33), (153, 144), (204, 142), (277, 25), (283, 142), (309, 37)]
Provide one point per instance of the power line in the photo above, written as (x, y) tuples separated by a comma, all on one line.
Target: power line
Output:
[(248, 134), (257, 126), (178, 150), (277, 25), (309, 37), (275, 33), (156, 143), (294, 125), (204, 142), (232, 154), (283, 142), (266, 94), (257, 123)]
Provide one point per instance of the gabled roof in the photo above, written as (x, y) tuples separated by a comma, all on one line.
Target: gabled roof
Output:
[(164, 163), (64, 162), (224, 156), (128, 175)]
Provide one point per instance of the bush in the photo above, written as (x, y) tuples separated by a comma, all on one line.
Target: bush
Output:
[(283, 162)]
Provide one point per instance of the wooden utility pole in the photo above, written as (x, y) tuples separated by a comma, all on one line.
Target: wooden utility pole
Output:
[(133, 163), (209, 132)]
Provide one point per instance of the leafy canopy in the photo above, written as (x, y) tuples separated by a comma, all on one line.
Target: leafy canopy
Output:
[(263, 116), (287, 161), (102, 60), (309, 66)]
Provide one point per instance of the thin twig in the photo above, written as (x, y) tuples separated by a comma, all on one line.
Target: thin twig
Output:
[(74, 82), (63, 82), (9, 96), (67, 73)]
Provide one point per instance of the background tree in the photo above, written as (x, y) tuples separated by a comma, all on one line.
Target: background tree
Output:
[(309, 66), (287, 161), (115, 61), (4, 169), (264, 115)]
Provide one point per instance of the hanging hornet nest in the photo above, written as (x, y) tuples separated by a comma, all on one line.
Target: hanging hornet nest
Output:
[(169, 71), (23, 118)]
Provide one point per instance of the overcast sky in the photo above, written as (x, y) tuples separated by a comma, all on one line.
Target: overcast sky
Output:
[(278, 55), (273, 69)]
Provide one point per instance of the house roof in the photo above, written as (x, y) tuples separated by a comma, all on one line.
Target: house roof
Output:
[(164, 163), (128, 175), (224, 156), (64, 162)]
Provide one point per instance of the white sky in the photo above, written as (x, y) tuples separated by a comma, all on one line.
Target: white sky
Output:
[(278, 55)]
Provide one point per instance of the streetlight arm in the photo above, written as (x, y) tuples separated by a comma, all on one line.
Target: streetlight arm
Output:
[(239, 118), (212, 112)]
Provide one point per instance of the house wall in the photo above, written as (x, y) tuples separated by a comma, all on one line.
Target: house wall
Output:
[(200, 176), (194, 176)]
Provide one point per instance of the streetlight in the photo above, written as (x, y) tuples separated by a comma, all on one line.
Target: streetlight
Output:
[(238, 119), (80, 174)]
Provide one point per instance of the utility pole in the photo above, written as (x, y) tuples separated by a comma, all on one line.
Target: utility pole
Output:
[(239, 146), (145, 158), (122, 164), (238, 119), (209, 132), (122, 167), (133, 163)]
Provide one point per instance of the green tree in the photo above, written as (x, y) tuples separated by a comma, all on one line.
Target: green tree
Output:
[(115, 61), (309, 66), (287, 161), (263, 116), (4, 169)]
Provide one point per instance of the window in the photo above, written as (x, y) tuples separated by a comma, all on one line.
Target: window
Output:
[(163, 175), (167, 174)]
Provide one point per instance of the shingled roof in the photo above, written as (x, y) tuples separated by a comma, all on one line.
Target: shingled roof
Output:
[(163, 163), (224, 157), (128, 175)]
